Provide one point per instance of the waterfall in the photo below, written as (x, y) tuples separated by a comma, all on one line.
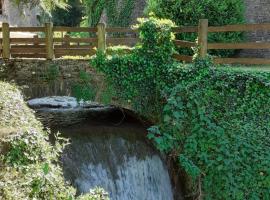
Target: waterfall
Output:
[(100, 154)]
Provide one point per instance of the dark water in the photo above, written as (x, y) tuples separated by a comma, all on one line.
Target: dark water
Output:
[(109, 150), (117, 159)]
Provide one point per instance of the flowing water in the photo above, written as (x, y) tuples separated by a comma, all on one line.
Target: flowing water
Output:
[(101, 154)]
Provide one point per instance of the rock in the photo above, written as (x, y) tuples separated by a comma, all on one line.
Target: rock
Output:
[(53, 102), (65, 110)]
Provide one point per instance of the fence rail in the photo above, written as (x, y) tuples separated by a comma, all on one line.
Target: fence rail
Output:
[(203, 29), (46, 44)]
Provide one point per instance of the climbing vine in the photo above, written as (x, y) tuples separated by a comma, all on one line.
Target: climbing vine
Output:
[(118, 12), (139, 77), (214, 123)]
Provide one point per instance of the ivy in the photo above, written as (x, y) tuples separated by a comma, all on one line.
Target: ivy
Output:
[(83, 89), (138, 78), (213, 121), (217, 120), (188, 13), (118, 12)]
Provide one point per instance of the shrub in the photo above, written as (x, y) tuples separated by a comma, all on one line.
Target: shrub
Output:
[(139, 77), (72, 16), (28, 162), (118, 13), (188, 13), (83, 88), (217, 122)]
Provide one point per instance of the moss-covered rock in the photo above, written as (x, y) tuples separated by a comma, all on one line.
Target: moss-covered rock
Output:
[(28, 168)]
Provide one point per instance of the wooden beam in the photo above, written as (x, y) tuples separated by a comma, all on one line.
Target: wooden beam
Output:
[(244, 61), (26, 40), (74, 29), (101, 34), (49, 41), (6, 41), (185, 29), (183, 57), (239, 27), (247, 45), (182, 43), (27, 29), (120, 30), (76, 40), (203, 37)]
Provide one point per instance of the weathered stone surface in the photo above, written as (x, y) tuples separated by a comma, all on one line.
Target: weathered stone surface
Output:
[(19, 15), (65, 111), (257, 11), (39, 78)]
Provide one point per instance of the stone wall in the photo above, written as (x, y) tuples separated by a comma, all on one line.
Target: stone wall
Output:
[(138, 11), (19, 15), (257, 11), (36, 80)]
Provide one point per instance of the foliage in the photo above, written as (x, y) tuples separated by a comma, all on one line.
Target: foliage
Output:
[(28, 162), (52, 73), (118, 12), (46, 5), (188, 13), (83, 89), (70, 17), (118, 50), (217, 122), (139, 77)]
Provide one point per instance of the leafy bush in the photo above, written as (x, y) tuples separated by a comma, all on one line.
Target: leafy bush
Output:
[(72, 16), (118, 12), (217, 122), (139, 77), (28, 168), (188, 13), (83, 89)]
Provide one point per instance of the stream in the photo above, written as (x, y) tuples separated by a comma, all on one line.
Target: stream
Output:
[(107, 149)]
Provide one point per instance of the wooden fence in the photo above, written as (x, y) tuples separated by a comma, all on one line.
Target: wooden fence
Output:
[(53, 42), (203, 30), (46, 44)]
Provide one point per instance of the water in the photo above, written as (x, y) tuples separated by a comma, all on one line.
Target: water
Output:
[(116, 158)]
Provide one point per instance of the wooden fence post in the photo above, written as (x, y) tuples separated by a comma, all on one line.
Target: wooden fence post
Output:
[(202, 37), (101, 36), (66, 41), (6, 41), (49, 41)]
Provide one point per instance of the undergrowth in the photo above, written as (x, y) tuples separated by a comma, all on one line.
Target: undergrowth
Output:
[(214, 122), (28, 162)]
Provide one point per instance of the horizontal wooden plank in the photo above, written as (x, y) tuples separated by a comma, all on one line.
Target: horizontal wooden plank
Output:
[(74, 47), (120, 30), (182, 43), (85, 40), (185, 29), (74, 51), (123, 41), (247, 45), (239, 27), (27, 40), (183, 57), (27, 29), (244, 61), (16, 46), (27, 50), (28, 55), (74, 29)]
